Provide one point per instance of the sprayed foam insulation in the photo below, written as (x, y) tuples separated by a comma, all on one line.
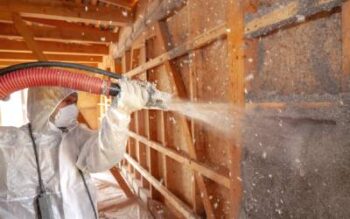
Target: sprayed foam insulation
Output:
[(296, 161), (302, 60)]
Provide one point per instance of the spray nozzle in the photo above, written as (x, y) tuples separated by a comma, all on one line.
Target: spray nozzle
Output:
[(157, 99)]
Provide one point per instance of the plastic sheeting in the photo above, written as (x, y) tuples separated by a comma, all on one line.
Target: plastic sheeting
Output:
[(113, 203)]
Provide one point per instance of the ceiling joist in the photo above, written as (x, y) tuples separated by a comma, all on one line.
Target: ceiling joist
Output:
[(59, 34), (57, 10), (28, 36), (9, 63), (27, 57), (54, 47)]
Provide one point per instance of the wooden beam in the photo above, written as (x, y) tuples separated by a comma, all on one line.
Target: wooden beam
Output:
[(68, 26), (195, 43), (346, 46), (58, 10), (54, 47), (180, 91), (236, 74), (28, 36), (201, 168), (4, 64), (26, 57), (60, 33), (170, 197), (122, 183), (287, 14), (157, 10)]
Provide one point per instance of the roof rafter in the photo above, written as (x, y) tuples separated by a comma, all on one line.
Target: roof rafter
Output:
[(28, 36), (61, 33), (65, 11), (54, 47), (26, 57)]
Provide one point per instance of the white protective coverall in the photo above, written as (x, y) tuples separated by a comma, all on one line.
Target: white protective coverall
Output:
[(60, 156)]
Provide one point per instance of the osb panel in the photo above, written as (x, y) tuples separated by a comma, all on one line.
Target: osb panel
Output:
[(304, 60)]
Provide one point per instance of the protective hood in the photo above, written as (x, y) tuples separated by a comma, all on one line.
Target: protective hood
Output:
[(41, 104)]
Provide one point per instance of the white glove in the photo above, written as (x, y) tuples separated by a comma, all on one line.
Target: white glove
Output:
[(133, 96)]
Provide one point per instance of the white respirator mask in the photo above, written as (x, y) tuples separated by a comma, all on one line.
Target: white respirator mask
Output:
[(66, 116)]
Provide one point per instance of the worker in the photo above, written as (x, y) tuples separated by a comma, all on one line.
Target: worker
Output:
[(45, 165)]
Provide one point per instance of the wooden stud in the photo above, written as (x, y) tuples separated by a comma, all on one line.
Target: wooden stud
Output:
[(235, 57), (346, 46), (26, 33), (122, 183)]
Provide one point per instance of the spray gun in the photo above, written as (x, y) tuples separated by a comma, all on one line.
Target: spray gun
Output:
[(156, 98)]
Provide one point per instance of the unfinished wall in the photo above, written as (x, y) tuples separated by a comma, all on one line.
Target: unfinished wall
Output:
[(294, 126)]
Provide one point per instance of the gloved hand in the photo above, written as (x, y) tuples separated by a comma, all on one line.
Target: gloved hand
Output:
[(133, 96)]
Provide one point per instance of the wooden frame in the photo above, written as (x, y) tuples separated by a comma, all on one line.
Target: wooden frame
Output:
[(235, 30)]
